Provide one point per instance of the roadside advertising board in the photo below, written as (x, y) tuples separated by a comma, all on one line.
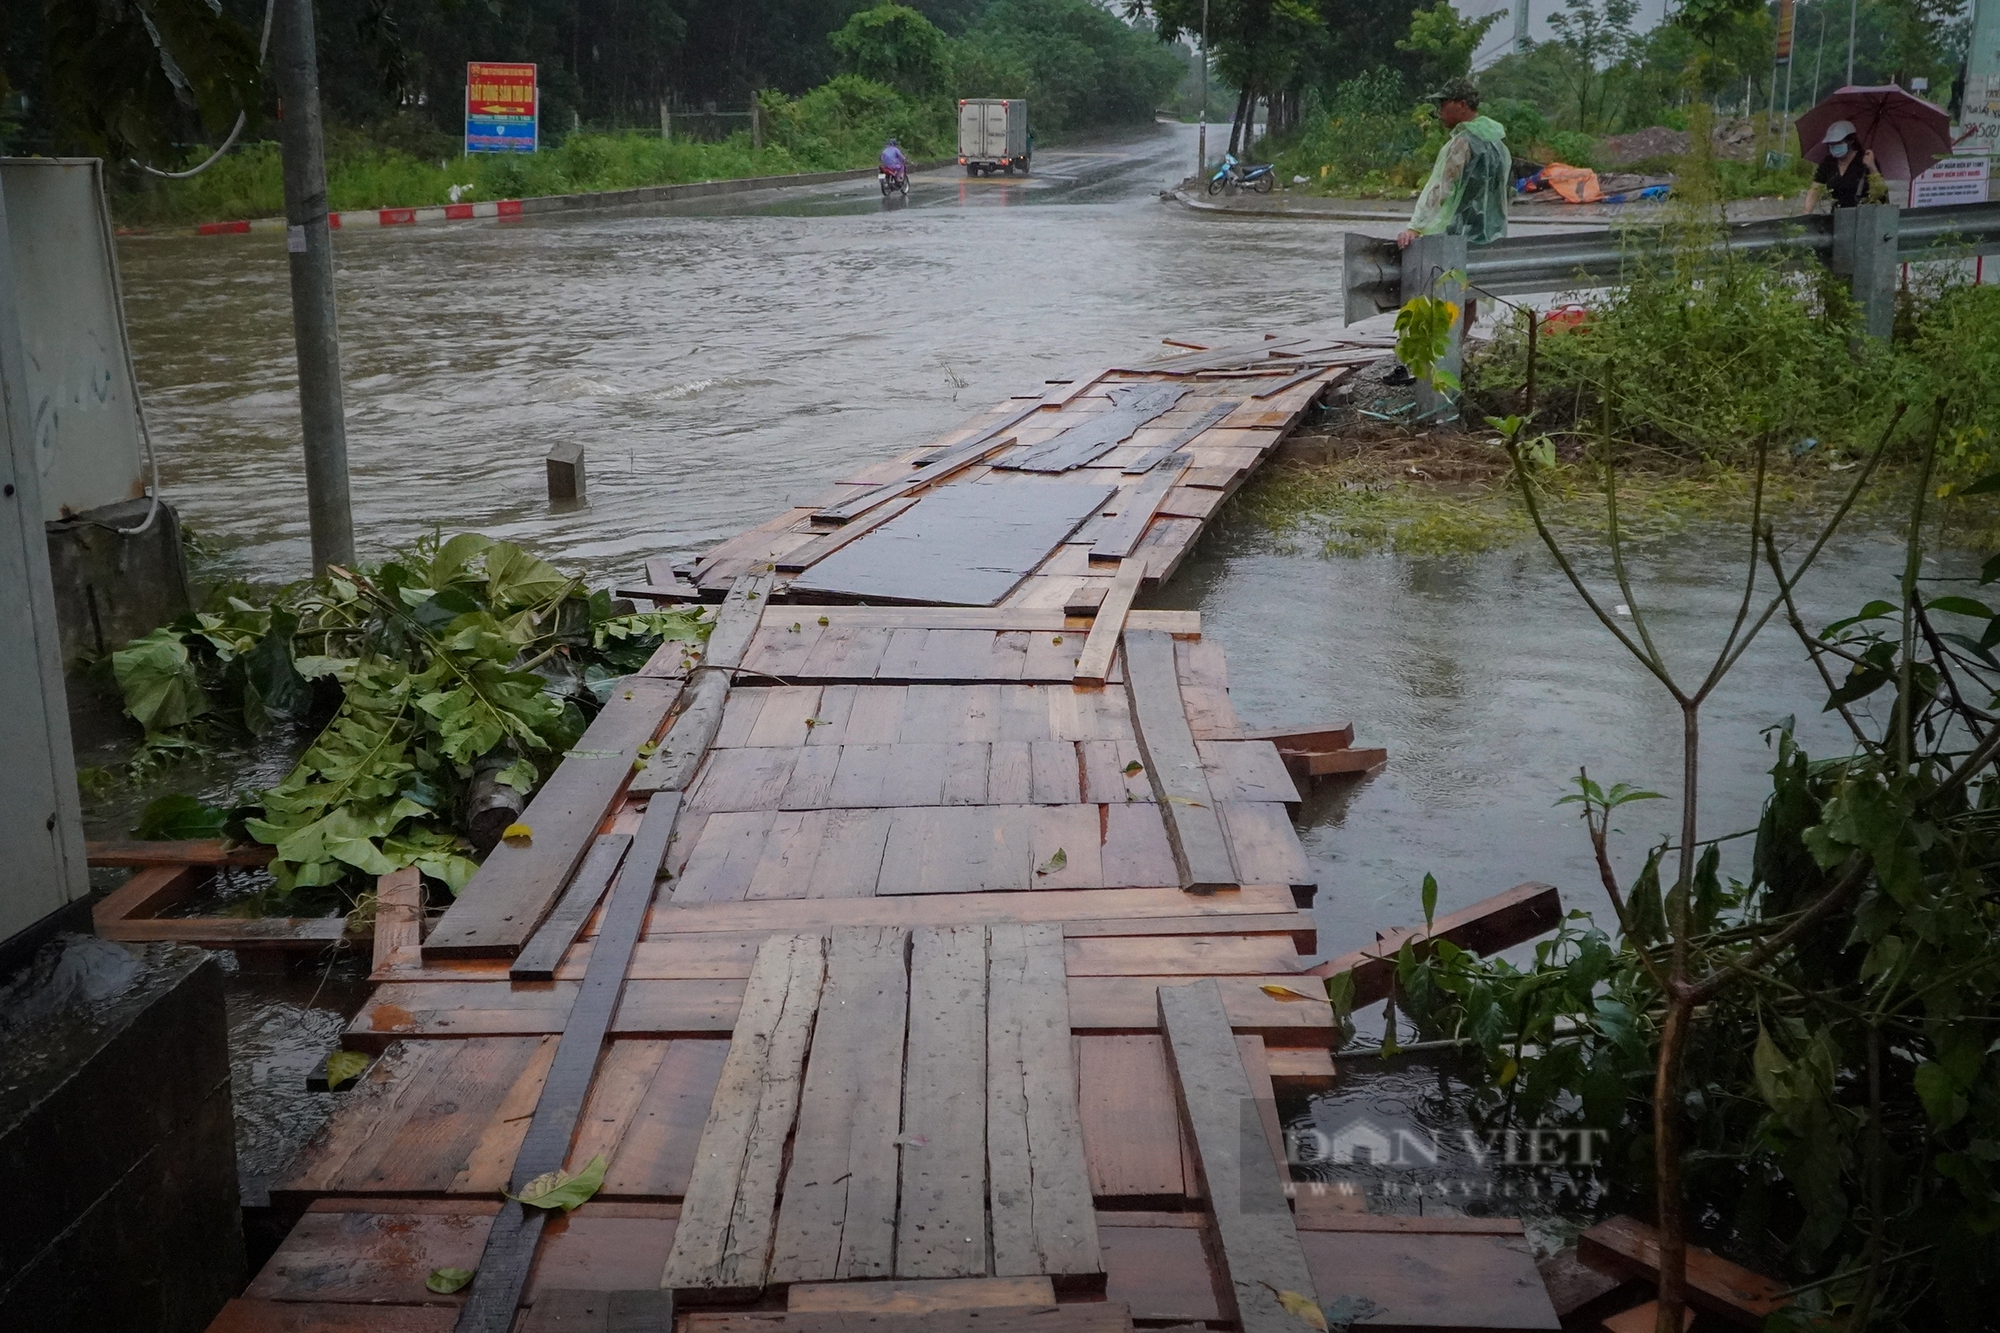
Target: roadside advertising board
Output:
[(502, 112), (1955, 180)]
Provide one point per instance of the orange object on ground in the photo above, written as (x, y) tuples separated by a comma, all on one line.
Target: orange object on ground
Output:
[(1576, 184)]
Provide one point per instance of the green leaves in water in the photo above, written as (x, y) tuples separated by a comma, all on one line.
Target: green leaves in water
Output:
[(179, 817), (560, 1189), (440, 657)]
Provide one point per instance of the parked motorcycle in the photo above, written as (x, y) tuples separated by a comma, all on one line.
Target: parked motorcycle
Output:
[(894, 182), (1233, 175)]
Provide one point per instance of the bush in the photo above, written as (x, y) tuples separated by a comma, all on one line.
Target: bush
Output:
[(1366, 141), (1573, 148)]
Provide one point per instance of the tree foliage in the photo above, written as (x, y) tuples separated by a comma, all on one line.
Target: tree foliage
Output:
[(895, 45)]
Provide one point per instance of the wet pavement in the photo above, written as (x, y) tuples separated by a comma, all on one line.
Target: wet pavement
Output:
[(726, 358)]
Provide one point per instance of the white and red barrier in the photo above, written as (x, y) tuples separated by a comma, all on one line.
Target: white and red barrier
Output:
[(354, 219)]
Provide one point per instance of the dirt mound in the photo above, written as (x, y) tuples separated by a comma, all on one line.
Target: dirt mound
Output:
[(1639, 145)]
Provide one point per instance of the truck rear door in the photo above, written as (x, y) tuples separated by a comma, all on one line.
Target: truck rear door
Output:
[(996, 130), (972, 129)]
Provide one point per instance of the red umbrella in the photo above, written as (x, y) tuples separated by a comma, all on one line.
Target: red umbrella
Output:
[(1906, 133)]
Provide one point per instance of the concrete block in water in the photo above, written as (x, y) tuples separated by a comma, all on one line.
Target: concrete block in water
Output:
[(112, 584), (117, 1142), (565, 464)]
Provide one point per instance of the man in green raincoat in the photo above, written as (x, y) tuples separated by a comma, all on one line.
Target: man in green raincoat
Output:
[(1466, 194)]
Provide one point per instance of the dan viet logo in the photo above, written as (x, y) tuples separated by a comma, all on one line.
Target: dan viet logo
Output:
[(1361, 1140)]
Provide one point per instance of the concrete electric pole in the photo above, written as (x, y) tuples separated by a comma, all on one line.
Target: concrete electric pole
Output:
[(315, 323)]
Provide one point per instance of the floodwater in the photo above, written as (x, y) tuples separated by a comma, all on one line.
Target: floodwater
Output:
[(722, 361)]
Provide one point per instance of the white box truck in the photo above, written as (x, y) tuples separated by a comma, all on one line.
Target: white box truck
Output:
[(993, 135)]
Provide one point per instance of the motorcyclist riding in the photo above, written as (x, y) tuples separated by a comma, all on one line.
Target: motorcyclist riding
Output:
[(893, 161)]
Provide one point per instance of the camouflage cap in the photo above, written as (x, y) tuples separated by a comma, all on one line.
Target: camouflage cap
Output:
[(1457, 90)]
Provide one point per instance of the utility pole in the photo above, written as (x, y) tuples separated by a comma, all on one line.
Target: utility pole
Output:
[(1201, 150), (1521, 27), (1853, 12), (315, 324)]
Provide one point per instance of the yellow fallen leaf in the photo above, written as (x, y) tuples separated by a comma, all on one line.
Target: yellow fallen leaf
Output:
[(1057, 639), (824, 621), (518, 835), (1300, 1307), (1187, 800), (1286, 993), (1054, 863)]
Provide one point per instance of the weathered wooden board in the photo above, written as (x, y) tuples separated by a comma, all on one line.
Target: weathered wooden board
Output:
[(1119, 536), (1085, 440), (924, 1297), (966, 544), (1194, 827), (1147, 461), (722, 1246), (545, 949), (1442, 1280), (506, 900), (1091, 905), (1626, 1247), (837, 1217), (517, 1230), (1093, 665), (1253, 1223), (941, 1222), (1040, 1184), (1131, 1131)]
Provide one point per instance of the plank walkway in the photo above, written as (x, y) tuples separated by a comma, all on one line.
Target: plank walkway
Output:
[(907, 964)]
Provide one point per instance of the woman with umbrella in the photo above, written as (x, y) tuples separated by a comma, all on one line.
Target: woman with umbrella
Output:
[(1845, 169)]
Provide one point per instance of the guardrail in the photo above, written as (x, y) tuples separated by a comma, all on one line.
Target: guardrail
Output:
[(1863, 244)]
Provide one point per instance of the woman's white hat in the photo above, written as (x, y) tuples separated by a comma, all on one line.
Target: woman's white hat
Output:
[(1839, 130)]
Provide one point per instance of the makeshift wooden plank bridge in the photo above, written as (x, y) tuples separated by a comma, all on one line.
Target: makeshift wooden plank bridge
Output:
[(901, 965)]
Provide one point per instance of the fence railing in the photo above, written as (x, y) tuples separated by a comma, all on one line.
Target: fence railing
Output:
[(1853, 242)]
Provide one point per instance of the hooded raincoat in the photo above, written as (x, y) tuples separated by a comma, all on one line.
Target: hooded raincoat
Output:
[(1466, 194)]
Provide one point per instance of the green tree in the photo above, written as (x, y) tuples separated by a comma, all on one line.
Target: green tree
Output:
[(895, 45), (1595, 36), (1447, 41)]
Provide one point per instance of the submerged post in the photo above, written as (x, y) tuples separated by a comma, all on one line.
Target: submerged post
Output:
[(315, 322), (1435, 266)]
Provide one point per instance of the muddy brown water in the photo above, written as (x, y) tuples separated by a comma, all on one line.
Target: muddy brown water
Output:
[(724, 360)]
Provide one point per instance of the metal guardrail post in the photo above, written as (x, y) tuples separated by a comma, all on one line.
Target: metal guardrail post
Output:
[(1873, 276), (1435, 266), (1840, 261)]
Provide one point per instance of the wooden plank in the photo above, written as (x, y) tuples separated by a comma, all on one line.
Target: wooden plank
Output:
[(399, 913), (805, 557), (1008, 616), (149, 891), (545, 950), (1265, 847), (1197, 955), (1083, 441), (1147, 461), (256, 934), (736, 621), (924, 1297), (723, 1243), (1040, 1184), (941, 1222), (1628, 1248), (1299, 1064), (942, 466), (1260, 1248), (426, 1148), (1300, 739), (693, 730), (510, 1245), (245, 1315), (1161, 1272), (1124, 905), (1124, 1004), (837, 1219), (1487, 926), (1433, 1224), (141, 855), (1137, 502), (656, 1156), (513, 890), (1085, 599), (1470, 1282), (1093, 665), (1125, 1105), (1194, 827), (1293, 925), (966, 544), (1082, 1317)]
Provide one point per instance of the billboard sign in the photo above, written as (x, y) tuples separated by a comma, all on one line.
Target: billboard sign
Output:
[(1785, 22), (502, 112), (1955, 180)]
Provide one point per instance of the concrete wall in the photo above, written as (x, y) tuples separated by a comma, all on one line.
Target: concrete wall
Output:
[(112, 584), (117, 1142)]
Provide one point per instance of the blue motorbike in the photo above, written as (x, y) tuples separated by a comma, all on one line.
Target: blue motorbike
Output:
[(1233, 175)]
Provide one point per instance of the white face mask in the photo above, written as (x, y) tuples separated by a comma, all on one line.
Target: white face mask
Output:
[(1838, 150)]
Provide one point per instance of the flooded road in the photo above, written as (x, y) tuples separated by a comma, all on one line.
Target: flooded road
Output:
[(727, 359)]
